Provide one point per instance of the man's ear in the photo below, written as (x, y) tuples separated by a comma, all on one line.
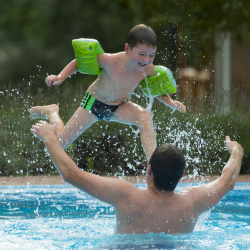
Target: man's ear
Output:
[(183, 173), (127, 49), (149, 170)]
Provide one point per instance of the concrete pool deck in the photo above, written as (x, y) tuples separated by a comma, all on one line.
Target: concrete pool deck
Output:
[(57, 180)]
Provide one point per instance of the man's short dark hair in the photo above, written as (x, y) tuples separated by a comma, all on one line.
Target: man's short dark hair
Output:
[(141, 34), (167, 164)]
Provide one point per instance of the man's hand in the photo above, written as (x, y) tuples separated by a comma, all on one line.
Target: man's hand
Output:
[(231, 145), (53, 79), (44, 130)]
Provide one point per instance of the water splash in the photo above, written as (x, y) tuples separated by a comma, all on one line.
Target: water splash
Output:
[(113, 148)]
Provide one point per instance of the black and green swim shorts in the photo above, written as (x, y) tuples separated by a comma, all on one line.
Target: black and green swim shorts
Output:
[(101, 110)]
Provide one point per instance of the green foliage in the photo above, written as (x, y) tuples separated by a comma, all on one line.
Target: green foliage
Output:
[(40, 32), (113, 148), (35, 39)]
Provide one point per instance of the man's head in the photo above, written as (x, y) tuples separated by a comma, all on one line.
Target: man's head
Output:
[(167, 166), (143, 35)]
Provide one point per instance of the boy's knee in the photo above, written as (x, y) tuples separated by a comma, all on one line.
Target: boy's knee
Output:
[(144, 118)]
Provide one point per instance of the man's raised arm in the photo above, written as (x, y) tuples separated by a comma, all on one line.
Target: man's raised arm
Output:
[(208, 195), (233, 166), (110, 190)]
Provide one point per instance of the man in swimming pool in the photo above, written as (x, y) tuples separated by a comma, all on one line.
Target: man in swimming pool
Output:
[(158, 208), (106, 97)]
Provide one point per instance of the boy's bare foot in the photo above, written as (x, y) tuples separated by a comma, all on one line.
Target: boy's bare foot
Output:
[(43, 112)]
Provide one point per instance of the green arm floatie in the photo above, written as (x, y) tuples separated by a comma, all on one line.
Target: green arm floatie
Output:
[(161, 84), (86, 51)]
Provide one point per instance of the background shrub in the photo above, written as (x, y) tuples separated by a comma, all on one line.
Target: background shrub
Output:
[(113, 148)]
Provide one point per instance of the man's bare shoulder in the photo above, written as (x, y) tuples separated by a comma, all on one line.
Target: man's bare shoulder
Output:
[(204, 196), (193, 191), (122, 191)]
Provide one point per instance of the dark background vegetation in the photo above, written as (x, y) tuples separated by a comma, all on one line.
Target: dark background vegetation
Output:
[(35, 39)]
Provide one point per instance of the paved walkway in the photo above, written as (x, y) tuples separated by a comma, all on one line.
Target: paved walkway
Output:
[(57, 180)]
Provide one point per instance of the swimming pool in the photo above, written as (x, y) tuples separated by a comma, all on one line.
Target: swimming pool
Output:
[(61, 217)]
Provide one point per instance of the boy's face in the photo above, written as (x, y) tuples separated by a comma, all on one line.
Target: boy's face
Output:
[(141, 55)]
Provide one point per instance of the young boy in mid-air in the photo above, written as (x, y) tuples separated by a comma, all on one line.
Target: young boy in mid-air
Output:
[(106, 98)]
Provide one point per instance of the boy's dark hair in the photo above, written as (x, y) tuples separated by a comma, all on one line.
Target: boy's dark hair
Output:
[(141, 34), (167, 164)]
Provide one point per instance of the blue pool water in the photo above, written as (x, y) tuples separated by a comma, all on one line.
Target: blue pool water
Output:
[(61, 217)]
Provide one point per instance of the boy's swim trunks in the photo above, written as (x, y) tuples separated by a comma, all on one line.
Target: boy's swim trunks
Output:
[(101, 110)]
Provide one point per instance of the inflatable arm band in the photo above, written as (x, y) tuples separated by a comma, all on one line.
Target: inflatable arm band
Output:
[(161, 84), (86, 51)]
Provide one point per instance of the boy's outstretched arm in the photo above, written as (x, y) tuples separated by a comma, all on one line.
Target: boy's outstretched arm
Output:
[(166, 99), (110, 190), (71, 68), (65, 73)]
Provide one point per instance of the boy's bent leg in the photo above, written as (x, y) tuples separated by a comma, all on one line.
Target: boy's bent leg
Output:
[(133, 114), (78, 123)]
